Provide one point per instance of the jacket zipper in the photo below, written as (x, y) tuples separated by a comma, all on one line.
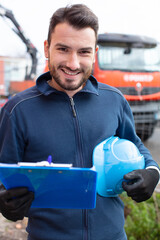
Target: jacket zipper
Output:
[(81, 163), (85, 224), (84, 212), (73, 106)]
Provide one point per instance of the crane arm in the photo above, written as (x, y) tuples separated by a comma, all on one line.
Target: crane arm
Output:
[(31, 49)]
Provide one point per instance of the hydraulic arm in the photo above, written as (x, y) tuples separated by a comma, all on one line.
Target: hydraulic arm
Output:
[(31, 49)]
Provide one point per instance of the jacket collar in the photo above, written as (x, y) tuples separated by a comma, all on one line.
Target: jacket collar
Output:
[(42, 85)]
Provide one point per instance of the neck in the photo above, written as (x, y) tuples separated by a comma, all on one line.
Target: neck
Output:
[(70, 93)]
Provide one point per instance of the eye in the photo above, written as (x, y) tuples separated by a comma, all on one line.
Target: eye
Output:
[(62, 49), (85, 52)]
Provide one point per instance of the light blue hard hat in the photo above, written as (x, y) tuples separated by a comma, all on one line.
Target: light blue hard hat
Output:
[(112, 159)]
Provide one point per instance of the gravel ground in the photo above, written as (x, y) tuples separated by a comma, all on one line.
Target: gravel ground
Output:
[(12, 230)]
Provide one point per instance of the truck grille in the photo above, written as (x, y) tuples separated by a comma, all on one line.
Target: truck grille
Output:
[(142, 103), (145, 91)]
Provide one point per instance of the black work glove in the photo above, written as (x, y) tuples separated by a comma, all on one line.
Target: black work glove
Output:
[(15, 202), (141, 183)]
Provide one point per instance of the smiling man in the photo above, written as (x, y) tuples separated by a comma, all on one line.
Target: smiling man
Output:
[(66, 115)]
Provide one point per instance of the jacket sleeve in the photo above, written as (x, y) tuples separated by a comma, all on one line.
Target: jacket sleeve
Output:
[(11, 142), (126, 130)]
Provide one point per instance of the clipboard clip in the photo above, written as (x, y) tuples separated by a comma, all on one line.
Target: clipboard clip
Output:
[(44, 164), (47, 163)]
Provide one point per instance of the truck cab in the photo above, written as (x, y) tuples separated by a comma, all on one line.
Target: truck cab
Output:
[(131, 63)]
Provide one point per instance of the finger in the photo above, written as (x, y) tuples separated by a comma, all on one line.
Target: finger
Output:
[(13, 193), (13, 217), (21, 211), (133, 194), (132, 187), (16, 192), (141, 198), (20, 201), (132, 175)]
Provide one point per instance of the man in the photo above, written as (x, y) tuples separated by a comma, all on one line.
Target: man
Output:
[(66, 115)]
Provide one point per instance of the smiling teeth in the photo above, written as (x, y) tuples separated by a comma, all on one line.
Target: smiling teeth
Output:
[(69, 73)]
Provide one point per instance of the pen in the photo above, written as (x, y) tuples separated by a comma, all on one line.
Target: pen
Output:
[(49, 159)]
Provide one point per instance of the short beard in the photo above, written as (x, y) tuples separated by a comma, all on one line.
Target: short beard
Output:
[(69, 87)]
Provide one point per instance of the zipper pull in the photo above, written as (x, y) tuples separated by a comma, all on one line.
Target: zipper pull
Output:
[(73, 106)]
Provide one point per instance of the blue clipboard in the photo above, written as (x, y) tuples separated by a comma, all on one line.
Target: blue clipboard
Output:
[(54, 187)]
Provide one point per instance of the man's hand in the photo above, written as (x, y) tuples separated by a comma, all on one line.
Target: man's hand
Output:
[(15, 202), (140, 184)]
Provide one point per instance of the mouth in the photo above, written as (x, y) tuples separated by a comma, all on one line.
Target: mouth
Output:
[(70, 72)]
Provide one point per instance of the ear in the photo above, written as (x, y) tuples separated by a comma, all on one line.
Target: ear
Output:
[(97, 49), (46, 48)]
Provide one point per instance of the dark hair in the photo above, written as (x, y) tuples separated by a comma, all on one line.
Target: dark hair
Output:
[(77, 15)]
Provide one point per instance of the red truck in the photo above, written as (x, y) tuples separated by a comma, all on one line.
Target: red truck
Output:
[(131, 63)]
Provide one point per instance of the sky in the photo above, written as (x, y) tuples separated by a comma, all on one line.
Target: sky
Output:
[(116, 16)]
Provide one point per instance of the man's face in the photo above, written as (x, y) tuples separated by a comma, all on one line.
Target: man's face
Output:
[(71, 55)]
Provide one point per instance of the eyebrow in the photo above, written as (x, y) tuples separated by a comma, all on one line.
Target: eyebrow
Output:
[(86, 49), (65, 46), (61, 45)]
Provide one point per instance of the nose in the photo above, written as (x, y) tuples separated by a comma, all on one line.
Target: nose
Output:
[(73, 61)]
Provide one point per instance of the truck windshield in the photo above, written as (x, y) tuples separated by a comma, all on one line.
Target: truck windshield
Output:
[(129, 58)]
